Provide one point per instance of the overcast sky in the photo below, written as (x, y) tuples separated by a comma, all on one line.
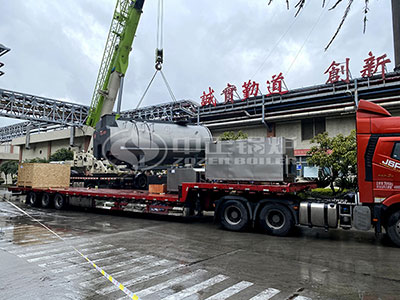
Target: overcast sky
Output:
[(57, 45)]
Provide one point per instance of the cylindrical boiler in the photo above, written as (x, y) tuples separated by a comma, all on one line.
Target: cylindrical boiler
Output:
[(149, 144)]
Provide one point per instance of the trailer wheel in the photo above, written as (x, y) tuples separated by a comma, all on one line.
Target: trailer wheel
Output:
[(46, 200), (32, 199), (234, 215), (393, 227), (276, 219), (59, 201)]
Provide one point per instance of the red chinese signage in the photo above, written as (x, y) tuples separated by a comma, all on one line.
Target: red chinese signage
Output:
[(208, 98), (340, 72), (250, 89), (373, 64), (228, 93), (275, 85), (336, 72)]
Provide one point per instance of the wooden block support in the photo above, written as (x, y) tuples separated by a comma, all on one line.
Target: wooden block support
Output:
[(38, 175), (157, 188)]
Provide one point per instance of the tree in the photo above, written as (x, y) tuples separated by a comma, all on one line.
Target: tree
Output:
[(336, 158), (232, 136), (36, 160), (62, 154), (300, 5), (9, 168)]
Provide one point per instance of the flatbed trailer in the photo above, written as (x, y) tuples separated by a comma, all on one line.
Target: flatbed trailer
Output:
[(236, 206)]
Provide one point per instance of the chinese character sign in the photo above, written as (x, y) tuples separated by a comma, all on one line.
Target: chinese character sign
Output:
[(228, 93), (208, 98), (275, 85), (250, 89), (337, 70), (372, 65), (340, 72)]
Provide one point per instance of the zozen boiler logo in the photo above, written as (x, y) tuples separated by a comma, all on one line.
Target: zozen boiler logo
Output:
[(391, 164)]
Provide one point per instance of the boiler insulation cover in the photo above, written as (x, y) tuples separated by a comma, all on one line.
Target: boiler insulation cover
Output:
[(149, 144), (263, 160)]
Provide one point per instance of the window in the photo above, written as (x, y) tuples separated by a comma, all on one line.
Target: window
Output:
[(396, 151), (312, 127)]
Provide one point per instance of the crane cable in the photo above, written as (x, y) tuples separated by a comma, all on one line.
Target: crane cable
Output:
[(159, 55)]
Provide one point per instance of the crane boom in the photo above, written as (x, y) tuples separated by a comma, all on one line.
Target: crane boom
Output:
[(115, 58)]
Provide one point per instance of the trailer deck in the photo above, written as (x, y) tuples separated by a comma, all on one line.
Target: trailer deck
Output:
[(168, 197)]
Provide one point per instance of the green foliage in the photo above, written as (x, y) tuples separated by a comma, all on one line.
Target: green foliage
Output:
[(9, 167), (336, 158), (62, 155), (36, 160), (233, 136)]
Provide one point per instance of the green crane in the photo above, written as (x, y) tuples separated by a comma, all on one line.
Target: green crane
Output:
[(115, 59)]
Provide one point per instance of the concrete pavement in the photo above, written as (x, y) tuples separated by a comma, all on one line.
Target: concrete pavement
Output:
[(171, 258)]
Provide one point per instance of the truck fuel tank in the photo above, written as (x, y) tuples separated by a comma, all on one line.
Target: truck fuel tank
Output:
[(318, 214)]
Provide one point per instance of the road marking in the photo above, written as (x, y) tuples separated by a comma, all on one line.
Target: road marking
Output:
[(169, 283), (301, 298), (267, 294), (129, 271), (107, 258), (230, 291), (109, 267), (196, 288), (66, 253), (54, 250), (111, 289), (44, 245), (72, 259), (142, 259)]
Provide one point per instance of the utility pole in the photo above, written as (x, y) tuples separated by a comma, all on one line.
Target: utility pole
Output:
[(396, 32)]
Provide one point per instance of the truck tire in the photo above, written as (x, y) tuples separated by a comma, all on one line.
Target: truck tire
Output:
[(46, 200), (32, 199), (276, 219), (393, 228), (59, 201), (234, 215)]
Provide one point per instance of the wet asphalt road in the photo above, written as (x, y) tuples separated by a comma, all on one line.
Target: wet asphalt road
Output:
[(171, 258)]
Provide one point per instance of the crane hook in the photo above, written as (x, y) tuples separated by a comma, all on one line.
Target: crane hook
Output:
[(159, 59)]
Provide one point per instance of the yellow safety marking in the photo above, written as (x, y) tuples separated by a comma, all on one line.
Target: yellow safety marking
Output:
[(104, 273)]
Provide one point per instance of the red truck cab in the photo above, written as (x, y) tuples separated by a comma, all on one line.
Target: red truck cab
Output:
[(378, 155)]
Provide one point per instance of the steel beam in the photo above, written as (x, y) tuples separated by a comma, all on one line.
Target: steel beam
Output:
[(40, 109), (7, 133), (173, 111)]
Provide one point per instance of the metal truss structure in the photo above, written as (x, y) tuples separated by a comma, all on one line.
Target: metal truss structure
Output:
[(173, 111), (44, 114), (3, 50), (10, 132), (39, 109)]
